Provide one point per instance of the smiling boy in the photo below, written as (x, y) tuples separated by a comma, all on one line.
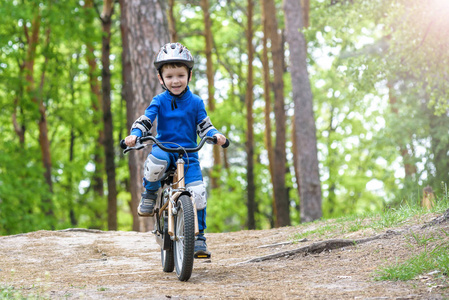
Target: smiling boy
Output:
[(181, 118)]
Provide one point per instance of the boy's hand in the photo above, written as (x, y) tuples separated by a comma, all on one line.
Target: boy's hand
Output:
[(221, 139), (130, 140)]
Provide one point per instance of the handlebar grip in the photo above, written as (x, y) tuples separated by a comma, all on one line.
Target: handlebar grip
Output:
[(226, 144), (123, 145)]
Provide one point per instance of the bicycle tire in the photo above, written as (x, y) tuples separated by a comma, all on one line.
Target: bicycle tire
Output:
[(167, 254), (184, 245), (168, 260)]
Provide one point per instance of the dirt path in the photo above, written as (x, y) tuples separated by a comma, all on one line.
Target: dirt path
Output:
[(109, 265)]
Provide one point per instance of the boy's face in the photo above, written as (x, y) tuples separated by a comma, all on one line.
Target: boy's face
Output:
[(175, 78)]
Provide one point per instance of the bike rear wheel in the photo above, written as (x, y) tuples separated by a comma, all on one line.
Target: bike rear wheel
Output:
[(168, 260), (167, 254), (184, 243)]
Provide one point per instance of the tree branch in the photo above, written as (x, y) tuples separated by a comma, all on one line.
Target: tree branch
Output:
[(438, 220)]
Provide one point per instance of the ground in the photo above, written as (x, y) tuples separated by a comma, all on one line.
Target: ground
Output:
[(83, 264)]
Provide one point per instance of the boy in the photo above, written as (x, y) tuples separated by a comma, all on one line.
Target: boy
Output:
[(181, 116)]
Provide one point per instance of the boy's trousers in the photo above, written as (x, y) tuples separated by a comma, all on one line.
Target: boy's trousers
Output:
[(192, 171)]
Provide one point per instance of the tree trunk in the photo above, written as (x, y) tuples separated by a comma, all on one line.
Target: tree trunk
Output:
[(409, 166), (251, 201), (97, 104), (305, 8), (304, 116), (71, 194), (267, 96), (295, 160), (305, 5), (107, 114), (172, 22), (19, 127), (439, 146), (333, 168), (44, 141), (282, 202), (145, 31), (127, 94), (210, 85)]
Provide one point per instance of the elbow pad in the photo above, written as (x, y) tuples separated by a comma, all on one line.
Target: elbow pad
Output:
[(204, 127), (144, 124)]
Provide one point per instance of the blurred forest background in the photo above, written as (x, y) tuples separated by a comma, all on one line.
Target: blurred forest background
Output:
[(75, 73)]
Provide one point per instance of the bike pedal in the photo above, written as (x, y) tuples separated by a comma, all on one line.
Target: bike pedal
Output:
[(202, 255)]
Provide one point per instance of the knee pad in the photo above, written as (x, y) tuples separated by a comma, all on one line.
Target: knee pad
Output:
[(154, 168), (198, 191)]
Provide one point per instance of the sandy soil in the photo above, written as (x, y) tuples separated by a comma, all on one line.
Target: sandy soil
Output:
[(79, 264)]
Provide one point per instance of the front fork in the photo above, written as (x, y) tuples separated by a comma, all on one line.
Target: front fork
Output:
[(178, 190)]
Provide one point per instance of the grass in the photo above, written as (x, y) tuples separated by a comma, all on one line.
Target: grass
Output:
[(377, 221), (432, 250), (421, 239), (435, 261), (9, 292), (35, 291), (6, 292)]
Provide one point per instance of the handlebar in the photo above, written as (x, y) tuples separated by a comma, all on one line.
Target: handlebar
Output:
[(139, 145)]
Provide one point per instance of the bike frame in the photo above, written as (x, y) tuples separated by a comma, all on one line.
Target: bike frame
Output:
[(177, 248), (176, 189)]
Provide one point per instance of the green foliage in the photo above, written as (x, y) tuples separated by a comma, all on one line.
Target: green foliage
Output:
[(372, 107), (378, 72), (22, 188), (226, 211), (61, 67)]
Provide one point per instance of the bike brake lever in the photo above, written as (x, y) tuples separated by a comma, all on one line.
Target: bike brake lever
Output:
[(136, 147), (139, 146)]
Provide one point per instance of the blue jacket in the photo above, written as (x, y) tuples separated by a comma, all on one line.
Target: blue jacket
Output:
[(178, 125)]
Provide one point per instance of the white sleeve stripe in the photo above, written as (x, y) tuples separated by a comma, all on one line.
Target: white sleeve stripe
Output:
[(204, 127)]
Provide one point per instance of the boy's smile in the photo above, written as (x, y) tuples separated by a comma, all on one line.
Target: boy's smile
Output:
[(175, 79)]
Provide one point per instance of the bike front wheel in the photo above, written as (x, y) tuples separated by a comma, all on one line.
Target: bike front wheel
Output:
[(184, 243)]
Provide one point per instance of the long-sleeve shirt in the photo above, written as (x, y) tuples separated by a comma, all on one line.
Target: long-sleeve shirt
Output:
[(177, 118)]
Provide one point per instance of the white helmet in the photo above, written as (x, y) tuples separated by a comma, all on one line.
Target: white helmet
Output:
[(174, 53)]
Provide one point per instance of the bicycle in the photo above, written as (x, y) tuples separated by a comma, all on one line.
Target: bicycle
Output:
[(175, 217)]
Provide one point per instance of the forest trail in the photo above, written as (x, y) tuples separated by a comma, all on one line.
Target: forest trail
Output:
[(90, 264)]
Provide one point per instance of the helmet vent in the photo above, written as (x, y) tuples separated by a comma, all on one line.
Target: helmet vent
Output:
[(174, 53)]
